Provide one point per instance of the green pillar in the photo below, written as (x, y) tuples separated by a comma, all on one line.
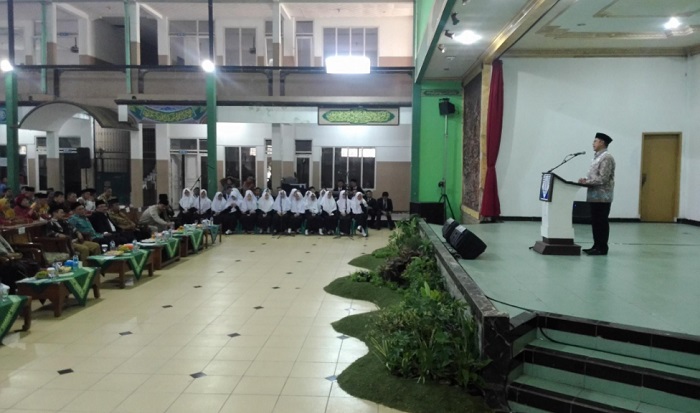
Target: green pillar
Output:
[(213, 181), (12, 131), (415, 143)]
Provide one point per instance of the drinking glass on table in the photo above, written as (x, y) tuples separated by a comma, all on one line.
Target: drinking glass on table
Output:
[(105, 247)]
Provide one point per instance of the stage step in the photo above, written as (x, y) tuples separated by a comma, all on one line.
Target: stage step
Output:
[(569, 364)]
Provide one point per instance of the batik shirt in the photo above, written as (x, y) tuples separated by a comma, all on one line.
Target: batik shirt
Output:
[(83, 226), (601, 177)]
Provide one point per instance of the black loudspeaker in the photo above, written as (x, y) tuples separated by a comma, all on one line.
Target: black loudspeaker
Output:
[(84, 158), (433, 212), (448, 228), (446, 108), (468, 245)]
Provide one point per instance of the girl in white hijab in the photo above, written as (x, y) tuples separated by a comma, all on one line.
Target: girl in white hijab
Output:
[(329, 212), (187, 206), (248, 207), (217, 207), (282, 208), (313, 214), (232, 212), (359, 212), (203, 205), (345, 210), (265, 211), (298, 210)]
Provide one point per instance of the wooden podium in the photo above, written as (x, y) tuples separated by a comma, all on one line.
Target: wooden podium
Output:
[(557, 196)]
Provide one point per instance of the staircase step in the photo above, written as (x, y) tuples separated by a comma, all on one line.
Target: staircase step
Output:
[(593, 371), (535, 395), (619, 359)]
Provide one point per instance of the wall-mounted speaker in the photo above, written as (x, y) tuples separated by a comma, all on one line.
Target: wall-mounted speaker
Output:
[(446, 107), (84, 158), (448, 228), (467, 245)]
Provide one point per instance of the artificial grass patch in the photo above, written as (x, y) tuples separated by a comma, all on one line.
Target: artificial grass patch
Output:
[(368, 261), (369, 379)]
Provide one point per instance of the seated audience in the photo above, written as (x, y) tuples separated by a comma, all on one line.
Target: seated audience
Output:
[(106, 195), (13, 266), (80, 221), (124, 223), (384, 209), (87, 198), (371, 209), (40, 207), (265, 212), (313, 214), (59, 227), (297, 211), (232, 212), (281, 214), (329, 212), (203, 205), (359, 212), (23, 211), (248, 207), (345, 211), (188, 209), (103, 225)]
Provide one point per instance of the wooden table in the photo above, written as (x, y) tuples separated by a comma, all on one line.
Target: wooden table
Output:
[(211, 232), (57, 289), (10, 308), (193, 240), (134, 261), (163, 252)]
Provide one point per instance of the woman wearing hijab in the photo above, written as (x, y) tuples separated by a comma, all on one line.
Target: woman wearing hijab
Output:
[(313, 214), (345, 211), (359, 212), (203, 205), (22, 209), (281, 209), (231, 212), (265, 211), (218, 205), (329, 213), (248, 207), (298, 211), (187, 207)]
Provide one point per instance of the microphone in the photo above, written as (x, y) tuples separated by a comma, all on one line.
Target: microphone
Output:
[(578, 153)]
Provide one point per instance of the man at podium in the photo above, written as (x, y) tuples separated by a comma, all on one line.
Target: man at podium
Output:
[(601, 183)]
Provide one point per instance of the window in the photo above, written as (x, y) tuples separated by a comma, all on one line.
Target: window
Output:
[(305, 45), (189, 41), (240, 161), (347, 164), (354, 42), (240, 47)]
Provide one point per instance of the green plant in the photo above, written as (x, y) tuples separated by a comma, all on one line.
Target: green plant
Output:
[(429, 336)]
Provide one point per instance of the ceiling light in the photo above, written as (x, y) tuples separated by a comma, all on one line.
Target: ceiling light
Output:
[(208, 66), (467, 37), (455, 20), (6, 66), (449, 34), (347, 65), (441, 48), (672, 23)]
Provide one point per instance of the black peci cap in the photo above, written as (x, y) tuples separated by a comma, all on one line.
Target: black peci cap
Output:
[(603, 137)]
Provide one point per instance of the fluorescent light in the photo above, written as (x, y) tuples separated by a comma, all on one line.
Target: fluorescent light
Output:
[(6, 66), (347, 65), (467, 37), (208, 66), (672, 23)]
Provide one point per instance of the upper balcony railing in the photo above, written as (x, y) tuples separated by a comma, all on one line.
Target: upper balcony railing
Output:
[(102, 85)]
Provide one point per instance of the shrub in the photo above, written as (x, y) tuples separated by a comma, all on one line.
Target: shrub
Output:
[(429, 336)]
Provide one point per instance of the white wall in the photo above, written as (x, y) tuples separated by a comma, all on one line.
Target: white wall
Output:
[(555, 106), (690, 168)]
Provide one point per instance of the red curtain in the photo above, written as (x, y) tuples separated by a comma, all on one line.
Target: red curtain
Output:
[(490, 205)]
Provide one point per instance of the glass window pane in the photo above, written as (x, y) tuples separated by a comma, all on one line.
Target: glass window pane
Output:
[(248, 164), (355, 169), (232, 162), (352, 152), (341, 168), (357, 46), (268, 27), (305, 27), (327, 168), (343, 42), (177, 50), (232, 39), (367, 173), (203, 27), (368, 152), (328, 43), (269, 51), (204, 48), (305, 51), (303, 170), (371, 45), (183, 27)]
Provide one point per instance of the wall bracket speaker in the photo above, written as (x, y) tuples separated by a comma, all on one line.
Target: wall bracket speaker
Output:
[(448, 228), (446, 107), (467, 245)]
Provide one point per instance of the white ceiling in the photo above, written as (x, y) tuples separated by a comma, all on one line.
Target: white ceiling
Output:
[(569, 28)]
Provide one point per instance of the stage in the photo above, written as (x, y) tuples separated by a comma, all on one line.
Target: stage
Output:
[(651, 277)]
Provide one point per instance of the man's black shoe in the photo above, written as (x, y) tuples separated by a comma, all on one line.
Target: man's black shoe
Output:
[(596, 252), (587, 250)]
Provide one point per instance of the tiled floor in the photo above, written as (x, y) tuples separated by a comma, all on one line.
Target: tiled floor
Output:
[(649, 279), (256, 334)]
